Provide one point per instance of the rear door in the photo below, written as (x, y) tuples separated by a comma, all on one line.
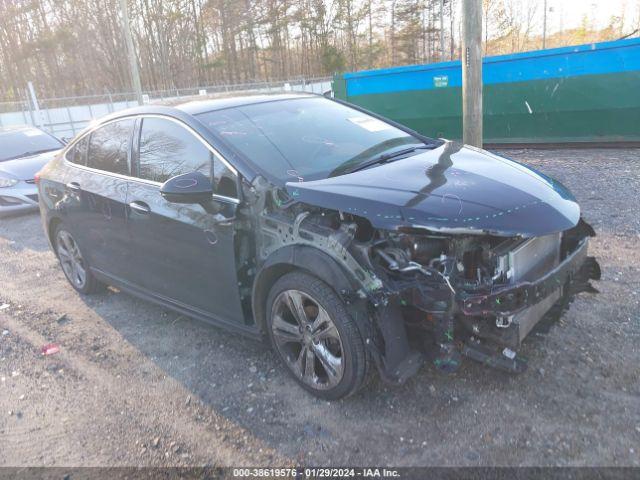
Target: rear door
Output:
[(183, 253), (96, 188)]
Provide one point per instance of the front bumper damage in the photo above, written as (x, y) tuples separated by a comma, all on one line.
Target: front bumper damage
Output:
[(484, 323), (511, 299), (571, 276), (526, 304)]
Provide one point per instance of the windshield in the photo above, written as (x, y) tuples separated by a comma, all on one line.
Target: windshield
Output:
[(26, 142), (305, 138)]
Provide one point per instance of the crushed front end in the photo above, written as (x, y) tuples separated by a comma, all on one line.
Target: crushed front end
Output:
[(480, 296), (421, 295)]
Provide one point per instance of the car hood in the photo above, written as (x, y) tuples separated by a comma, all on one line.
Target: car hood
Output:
[(451, 189), (25, 168)]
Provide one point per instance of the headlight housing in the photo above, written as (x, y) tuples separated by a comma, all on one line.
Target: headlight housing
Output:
[(7, 182)]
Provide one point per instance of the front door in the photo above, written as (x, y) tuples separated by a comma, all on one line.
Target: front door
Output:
[(181, 252)]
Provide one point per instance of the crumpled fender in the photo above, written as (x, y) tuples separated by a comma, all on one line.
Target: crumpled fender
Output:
[(303, 257)]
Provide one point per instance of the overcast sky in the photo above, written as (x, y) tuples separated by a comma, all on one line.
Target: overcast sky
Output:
[(569, 13)]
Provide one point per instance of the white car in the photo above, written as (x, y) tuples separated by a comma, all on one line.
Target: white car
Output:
[(24, 151)]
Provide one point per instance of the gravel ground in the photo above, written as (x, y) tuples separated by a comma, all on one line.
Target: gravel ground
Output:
[(134, 384)]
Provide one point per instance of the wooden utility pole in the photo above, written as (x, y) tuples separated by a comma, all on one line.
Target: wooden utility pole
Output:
[(544, 27), (472, 72), (133, 62), (442, 30)]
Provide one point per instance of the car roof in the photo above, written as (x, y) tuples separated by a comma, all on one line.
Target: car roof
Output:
[(201, 106), (184, 110)]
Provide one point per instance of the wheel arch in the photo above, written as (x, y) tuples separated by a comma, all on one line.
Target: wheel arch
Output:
[(297, 257), (51, 228)]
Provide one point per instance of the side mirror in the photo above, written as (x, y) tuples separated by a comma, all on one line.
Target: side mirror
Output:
[(193, 187)]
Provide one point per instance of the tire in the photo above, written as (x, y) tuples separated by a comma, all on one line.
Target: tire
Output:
[(325, 355), (68, 252)]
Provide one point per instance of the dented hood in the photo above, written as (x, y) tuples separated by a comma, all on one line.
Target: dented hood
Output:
[(451, 189)]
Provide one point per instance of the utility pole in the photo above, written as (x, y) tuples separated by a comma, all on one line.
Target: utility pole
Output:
[(472, 72), (34, 102), (544, 26), (442, 30), (133, 62)]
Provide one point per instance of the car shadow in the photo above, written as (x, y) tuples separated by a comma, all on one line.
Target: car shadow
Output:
[(242, 380), (14, 229)]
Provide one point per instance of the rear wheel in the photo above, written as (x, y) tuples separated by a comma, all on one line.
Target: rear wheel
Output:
[(74, 266), (315, 337)]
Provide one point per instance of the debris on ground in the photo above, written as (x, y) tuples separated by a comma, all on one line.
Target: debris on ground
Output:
[(50, 349), (4, 306)]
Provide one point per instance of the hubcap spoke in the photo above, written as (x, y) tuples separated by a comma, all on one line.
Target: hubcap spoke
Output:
[(81, 274), (323, 328), (299, 363), (309, 366), (285, 331), (330, 363), (63, 253), (294, 302)]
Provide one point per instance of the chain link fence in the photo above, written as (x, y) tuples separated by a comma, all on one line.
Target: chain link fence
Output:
[(67, 116)]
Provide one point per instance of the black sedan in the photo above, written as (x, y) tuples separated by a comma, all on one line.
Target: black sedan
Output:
[(347, 240)]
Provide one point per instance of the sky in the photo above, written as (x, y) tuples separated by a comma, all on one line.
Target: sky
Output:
[(565, 14)]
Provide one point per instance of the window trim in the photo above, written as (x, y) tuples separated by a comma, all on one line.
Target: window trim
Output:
[(74, 145), (142, 116), (129, 146)]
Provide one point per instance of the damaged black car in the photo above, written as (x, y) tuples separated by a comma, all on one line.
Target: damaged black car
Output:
[(348, 241)]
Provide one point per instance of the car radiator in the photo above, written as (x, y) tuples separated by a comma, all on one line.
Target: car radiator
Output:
[(529, 261)]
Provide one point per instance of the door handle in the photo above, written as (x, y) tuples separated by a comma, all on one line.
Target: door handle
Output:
[(73, 186), (140, 207), (225, 222)]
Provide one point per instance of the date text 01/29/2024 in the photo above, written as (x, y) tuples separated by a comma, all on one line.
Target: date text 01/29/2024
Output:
[(316, 472)]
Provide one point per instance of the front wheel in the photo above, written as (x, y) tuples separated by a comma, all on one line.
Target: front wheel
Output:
[(315, 337), (74, 265)]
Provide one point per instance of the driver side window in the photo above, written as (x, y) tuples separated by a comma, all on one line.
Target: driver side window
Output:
[(167, 149)]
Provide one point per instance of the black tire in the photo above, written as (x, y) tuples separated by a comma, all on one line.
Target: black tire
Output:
[(354, 360), (90, 285)]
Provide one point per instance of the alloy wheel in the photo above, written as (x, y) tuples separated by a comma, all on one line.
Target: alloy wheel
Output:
[(307, 339), (71, 259)]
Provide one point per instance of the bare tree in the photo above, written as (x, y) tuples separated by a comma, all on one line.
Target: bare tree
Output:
[(73, 47)]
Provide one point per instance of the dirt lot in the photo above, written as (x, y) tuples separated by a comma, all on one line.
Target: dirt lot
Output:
[(134, 384)]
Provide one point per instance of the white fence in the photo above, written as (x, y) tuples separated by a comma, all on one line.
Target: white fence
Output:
[(65, 117)]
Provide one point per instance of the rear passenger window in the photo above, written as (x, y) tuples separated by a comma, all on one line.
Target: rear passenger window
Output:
[(78, 153), (109, 147), (168, 149)]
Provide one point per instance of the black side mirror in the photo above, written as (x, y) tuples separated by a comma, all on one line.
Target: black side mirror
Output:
[(193, 187)]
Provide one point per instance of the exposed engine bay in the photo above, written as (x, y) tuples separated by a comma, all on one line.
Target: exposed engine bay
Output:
[(421, 295)]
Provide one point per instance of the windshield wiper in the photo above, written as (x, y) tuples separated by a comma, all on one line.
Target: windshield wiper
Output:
[(385, 157), (30, 153)]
